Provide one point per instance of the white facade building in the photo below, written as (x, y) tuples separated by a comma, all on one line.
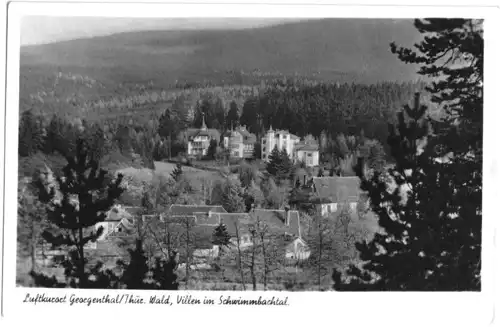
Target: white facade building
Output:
[(308, 153), (199, 140), (280, 139)]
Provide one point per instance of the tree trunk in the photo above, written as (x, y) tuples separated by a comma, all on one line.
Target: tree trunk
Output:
[(81, 268), (239, 259), (265, 261), (319, 258), (252, 268), (187, 252), (33, 247)]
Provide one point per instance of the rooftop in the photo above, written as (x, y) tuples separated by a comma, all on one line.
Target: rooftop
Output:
[(275, 220), (337, 189), (210, 132), (193, 210), (306, 147)]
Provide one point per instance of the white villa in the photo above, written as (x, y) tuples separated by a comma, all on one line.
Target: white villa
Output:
[(281, 140), (199, 139), (305, 151)]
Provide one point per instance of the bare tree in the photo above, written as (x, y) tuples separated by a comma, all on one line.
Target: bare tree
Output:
[(239, 254), (322, 250), (253, 252), (273, 253), (187, 241)]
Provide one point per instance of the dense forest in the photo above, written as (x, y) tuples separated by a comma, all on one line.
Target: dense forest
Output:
[(323, 110), (419, 164)]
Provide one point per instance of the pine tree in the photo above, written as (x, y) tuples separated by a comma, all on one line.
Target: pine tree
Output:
[(233, 117), (212, 150), (220, 236), (164, 274), (55, 139), (135, 274), (272, 166), (373, 154), (30, 134), (219, 114), (176, 174), (434, 238), (257, 151), (284, 166), (78, 201)]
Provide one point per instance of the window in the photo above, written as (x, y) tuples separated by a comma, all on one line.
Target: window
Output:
[(353, 205), (263, 149), (309, 154)]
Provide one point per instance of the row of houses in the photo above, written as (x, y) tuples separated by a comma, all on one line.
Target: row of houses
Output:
[(283, 225), (241, 143)]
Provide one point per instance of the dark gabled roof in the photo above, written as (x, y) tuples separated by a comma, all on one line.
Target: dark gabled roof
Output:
[(233, 221), (337, 189), (275, 220), (193, 210), (306, 147), (211, 132)]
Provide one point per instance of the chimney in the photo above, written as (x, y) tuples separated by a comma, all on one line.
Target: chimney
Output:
[(417, 100), (287, 215)]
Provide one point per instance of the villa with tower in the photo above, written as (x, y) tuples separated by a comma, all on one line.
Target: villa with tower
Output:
[(198, 139)]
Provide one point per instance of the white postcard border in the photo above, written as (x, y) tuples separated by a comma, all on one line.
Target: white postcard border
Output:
[(413, 308)]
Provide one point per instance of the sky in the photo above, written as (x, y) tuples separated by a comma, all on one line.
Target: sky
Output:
[(46, 29)]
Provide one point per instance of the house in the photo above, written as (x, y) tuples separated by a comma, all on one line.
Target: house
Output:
[(240, 142), (198, 140), (281, 140), (204, 224), (201, 213), (332, 192), (307, 153), (283, 225), (117, 217)]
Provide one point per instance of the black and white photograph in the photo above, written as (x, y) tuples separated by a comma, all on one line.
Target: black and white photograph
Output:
[(250, 154), (308, 161)]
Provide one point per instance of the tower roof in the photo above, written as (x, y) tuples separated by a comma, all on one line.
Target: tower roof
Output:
[(203, 125)]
